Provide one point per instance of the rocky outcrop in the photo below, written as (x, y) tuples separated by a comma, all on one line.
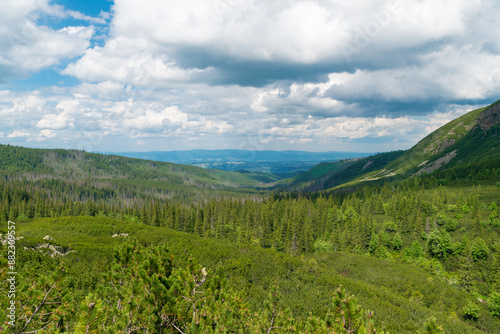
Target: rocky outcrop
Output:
[(489, 118), (367, 165), (429, 168), (52, 250), (120, 235)]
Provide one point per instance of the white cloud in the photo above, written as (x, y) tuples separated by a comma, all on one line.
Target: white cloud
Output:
[(27, 44), (18, 134), (46, 134), (298, 31), (48, 47), (53, 121), (151, 119), (128, 61)]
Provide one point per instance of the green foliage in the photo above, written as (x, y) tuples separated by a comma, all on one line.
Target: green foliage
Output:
[(321, 245), (374, 243), (470, 311), (91, 317), (494, 304), (348, 309), (390, 226), (397, 242), (432, 328), (479, 249), (415, 251), (450, 225), (441, 218), (439, 243)]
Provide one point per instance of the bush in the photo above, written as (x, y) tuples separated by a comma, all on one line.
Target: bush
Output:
[(439, 242), (373, 245), (479, 249), (450, 225), (397, 242), (494, 304), (390, 226), (415, 251), (452, 208), (441, 218), (323, 246), (470, 311)]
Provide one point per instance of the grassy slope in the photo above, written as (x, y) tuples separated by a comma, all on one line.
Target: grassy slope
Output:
[(330, 174), (307, 283)]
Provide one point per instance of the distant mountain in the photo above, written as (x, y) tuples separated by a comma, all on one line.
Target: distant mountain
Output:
[(201, 156), (283, 163)]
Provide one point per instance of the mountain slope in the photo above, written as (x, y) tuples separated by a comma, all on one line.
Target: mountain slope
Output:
[(330, 174), (472, 139), (109, 171)]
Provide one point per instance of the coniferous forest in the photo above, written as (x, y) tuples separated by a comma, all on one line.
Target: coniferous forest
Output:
[(399, 242)]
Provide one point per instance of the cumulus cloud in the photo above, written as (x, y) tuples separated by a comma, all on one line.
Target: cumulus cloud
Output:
[(28, 44), (18, 134)]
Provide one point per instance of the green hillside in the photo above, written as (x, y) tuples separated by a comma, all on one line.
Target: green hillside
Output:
[(305, 285), (330, 174), (473, 138), (110, 173)]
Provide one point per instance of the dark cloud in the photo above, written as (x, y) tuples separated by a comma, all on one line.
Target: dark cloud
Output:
[(234, 71)]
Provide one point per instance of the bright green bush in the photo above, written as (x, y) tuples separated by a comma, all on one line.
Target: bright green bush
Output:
[(479, 249), (470, 311), (494, 304), (323, 246), (397, 242), (390, 226), (450, 225), (439, 242), (415, 251)]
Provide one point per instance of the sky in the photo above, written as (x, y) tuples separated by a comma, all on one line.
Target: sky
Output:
[(314, 75)]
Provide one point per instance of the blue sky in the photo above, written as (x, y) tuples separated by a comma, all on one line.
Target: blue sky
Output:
[(317, 75)]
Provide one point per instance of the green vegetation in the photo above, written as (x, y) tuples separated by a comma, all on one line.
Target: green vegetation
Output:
[(330, 174)]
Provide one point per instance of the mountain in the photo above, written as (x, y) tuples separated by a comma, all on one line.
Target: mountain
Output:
[(330, 174), (111, 174), (470, 140)]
